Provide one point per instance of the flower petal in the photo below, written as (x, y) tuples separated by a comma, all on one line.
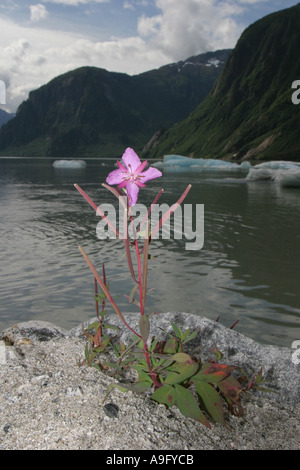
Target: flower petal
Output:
[(141, 167), (116, 176), (132, 193), (140, 185), (131, 160), (121, 166), (123, 184), (150, 174)]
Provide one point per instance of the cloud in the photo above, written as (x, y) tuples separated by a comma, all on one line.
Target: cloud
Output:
[(38, 12), (177, 30), (187, 28), (127, 5)]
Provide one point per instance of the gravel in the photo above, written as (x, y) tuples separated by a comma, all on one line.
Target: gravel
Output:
[(50, 401)]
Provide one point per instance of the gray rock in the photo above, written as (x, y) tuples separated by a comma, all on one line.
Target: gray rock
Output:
[(39, 330), (280, 373), (49, 401)]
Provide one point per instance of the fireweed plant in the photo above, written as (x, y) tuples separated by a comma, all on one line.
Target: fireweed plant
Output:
[(162, 368)]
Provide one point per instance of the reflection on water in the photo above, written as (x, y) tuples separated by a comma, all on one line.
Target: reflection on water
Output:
[(246, 270)]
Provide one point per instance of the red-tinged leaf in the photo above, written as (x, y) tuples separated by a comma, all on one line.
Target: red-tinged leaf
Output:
[(214, 373), (164, 395), (98, 210), (133, 301), (145, 266), (211, 400), (107, 293), (127, 248), (97, 337), (232, 326), (96, 297), (144, 325), (231, 388), (188, 406), (125, 239), (118, 193)]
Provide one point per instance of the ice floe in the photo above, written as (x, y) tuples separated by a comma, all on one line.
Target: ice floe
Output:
[(286, 173), (69, 164), (181, 163)]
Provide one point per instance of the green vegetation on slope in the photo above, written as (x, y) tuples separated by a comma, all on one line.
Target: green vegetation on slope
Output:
[(249, 112), (93, 112)]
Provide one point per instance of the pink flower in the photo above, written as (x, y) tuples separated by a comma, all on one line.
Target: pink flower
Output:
[(132, 177)]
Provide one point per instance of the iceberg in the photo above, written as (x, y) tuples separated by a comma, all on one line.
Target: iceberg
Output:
[(69, 164), (290, 178), (278, 165), (286, 173), (181, 163)]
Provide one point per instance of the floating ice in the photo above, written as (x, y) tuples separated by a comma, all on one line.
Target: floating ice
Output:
[(181, 163), (290, 178), (286, 173), (69, 164), (278, 165)]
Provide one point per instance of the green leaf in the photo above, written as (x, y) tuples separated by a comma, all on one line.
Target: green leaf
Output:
[(192, 336), (111, 327), (211, 400), (95, 325), (188, 406), (185, 335), (144, 325), (133, 291), (171, 346), (181, 373), (177, 330), (86, 352), (153, 345), (164, 395), (119, 387), (181, 357)]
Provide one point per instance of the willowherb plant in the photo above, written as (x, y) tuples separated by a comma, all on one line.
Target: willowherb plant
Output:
[(163, 368)]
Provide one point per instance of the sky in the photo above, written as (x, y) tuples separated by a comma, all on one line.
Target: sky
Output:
[(40, 40)]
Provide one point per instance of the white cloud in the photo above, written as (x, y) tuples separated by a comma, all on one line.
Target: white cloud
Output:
[(191, 27), (38, 12), (31, 56), (128, 6)]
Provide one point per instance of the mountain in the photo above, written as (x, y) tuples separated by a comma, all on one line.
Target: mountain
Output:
[(249, 113), (5, 117), (93, 112)]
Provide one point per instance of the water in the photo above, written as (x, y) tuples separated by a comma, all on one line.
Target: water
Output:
[(247, 270)]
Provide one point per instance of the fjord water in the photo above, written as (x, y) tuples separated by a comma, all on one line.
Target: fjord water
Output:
[(247, 270)]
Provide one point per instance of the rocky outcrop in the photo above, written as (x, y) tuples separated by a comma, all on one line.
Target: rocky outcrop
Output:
[(49, 400)]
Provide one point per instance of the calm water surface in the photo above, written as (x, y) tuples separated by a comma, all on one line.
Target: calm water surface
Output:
[(247, 270)]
